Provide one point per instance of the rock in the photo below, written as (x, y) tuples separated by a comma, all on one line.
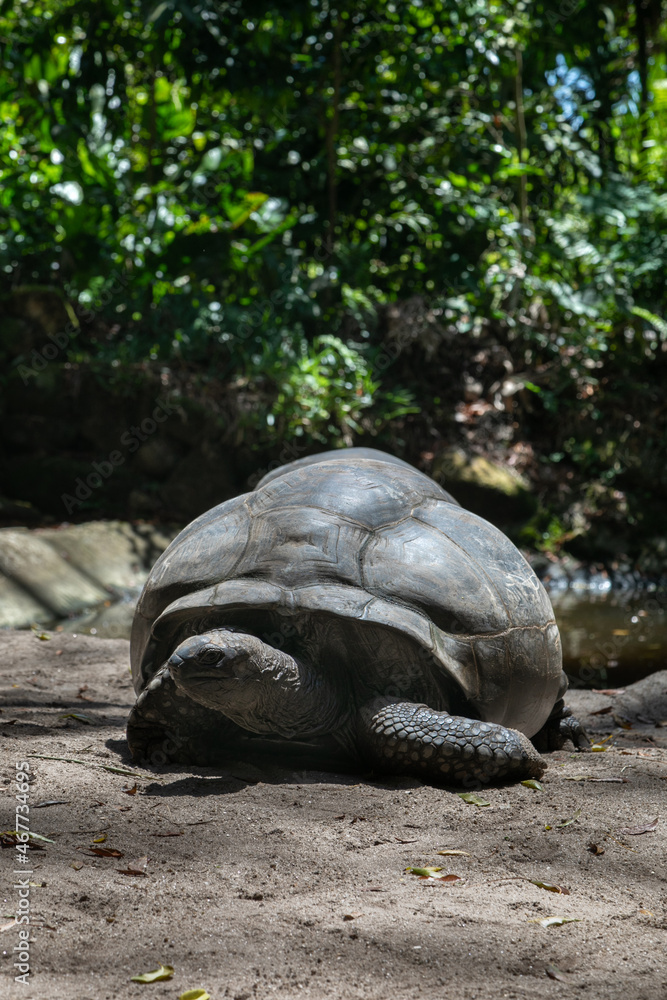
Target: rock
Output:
[(33, 564), (491, 490), (18, 608), (106, 551), (645, 700), (57, 572)]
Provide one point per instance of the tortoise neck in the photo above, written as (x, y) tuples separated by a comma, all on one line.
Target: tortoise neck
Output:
[(279, 694), (300, 702)]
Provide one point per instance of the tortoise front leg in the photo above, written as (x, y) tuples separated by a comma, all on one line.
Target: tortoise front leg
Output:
[(407, 738), (165, 726)]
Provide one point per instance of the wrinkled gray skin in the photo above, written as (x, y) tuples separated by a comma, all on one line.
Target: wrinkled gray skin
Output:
[(362, 684)]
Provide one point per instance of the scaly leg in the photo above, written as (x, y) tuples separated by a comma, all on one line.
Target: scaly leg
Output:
[(407, 738)]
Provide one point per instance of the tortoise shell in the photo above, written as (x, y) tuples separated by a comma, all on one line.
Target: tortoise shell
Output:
[(364, 565)]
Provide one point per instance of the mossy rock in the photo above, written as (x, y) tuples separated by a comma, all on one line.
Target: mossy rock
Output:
[(491, 490)]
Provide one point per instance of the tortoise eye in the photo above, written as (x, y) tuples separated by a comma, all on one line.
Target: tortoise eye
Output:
[(209, 655)]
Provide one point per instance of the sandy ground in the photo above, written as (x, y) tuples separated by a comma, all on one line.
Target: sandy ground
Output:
[(294, 885)]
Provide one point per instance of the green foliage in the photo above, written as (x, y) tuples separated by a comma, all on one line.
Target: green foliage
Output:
[(247, 186)]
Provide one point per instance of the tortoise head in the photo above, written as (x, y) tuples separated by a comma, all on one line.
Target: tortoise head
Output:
[(255, 685)]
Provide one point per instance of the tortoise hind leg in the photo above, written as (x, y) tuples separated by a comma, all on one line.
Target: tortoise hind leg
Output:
[(560, 727), (407, 738)]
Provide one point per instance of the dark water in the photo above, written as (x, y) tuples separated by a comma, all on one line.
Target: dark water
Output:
[(611, 638)]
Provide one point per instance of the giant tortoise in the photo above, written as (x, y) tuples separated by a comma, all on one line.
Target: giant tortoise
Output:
[(348, 612)]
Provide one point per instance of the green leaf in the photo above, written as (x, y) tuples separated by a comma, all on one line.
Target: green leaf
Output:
[(162, 972), (425, 872), (473, 799), (656, 321), (194, 995), (533, 783)]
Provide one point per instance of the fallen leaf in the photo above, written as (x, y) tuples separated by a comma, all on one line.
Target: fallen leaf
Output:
[(6, 927), (38, 836), (79, 716), (595, 849), (102, 836), (646, 913), (549, 886), (555, 921), (342, 816), (589, 777), (41, 635), (473, 799), (352, 916), (104, 852), (195, 995), (374, 888), (553, 972), (130, 791), (399, 840), (169, 833), (137, 867), (429, 872), (568, 822), (610, 692), (598, 748), (31, 835), (634, 831), (450, 878), (450, 852), (602, 711), (621, 721), (51, 802), (533, 783), (162, 972), (76, 865)]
